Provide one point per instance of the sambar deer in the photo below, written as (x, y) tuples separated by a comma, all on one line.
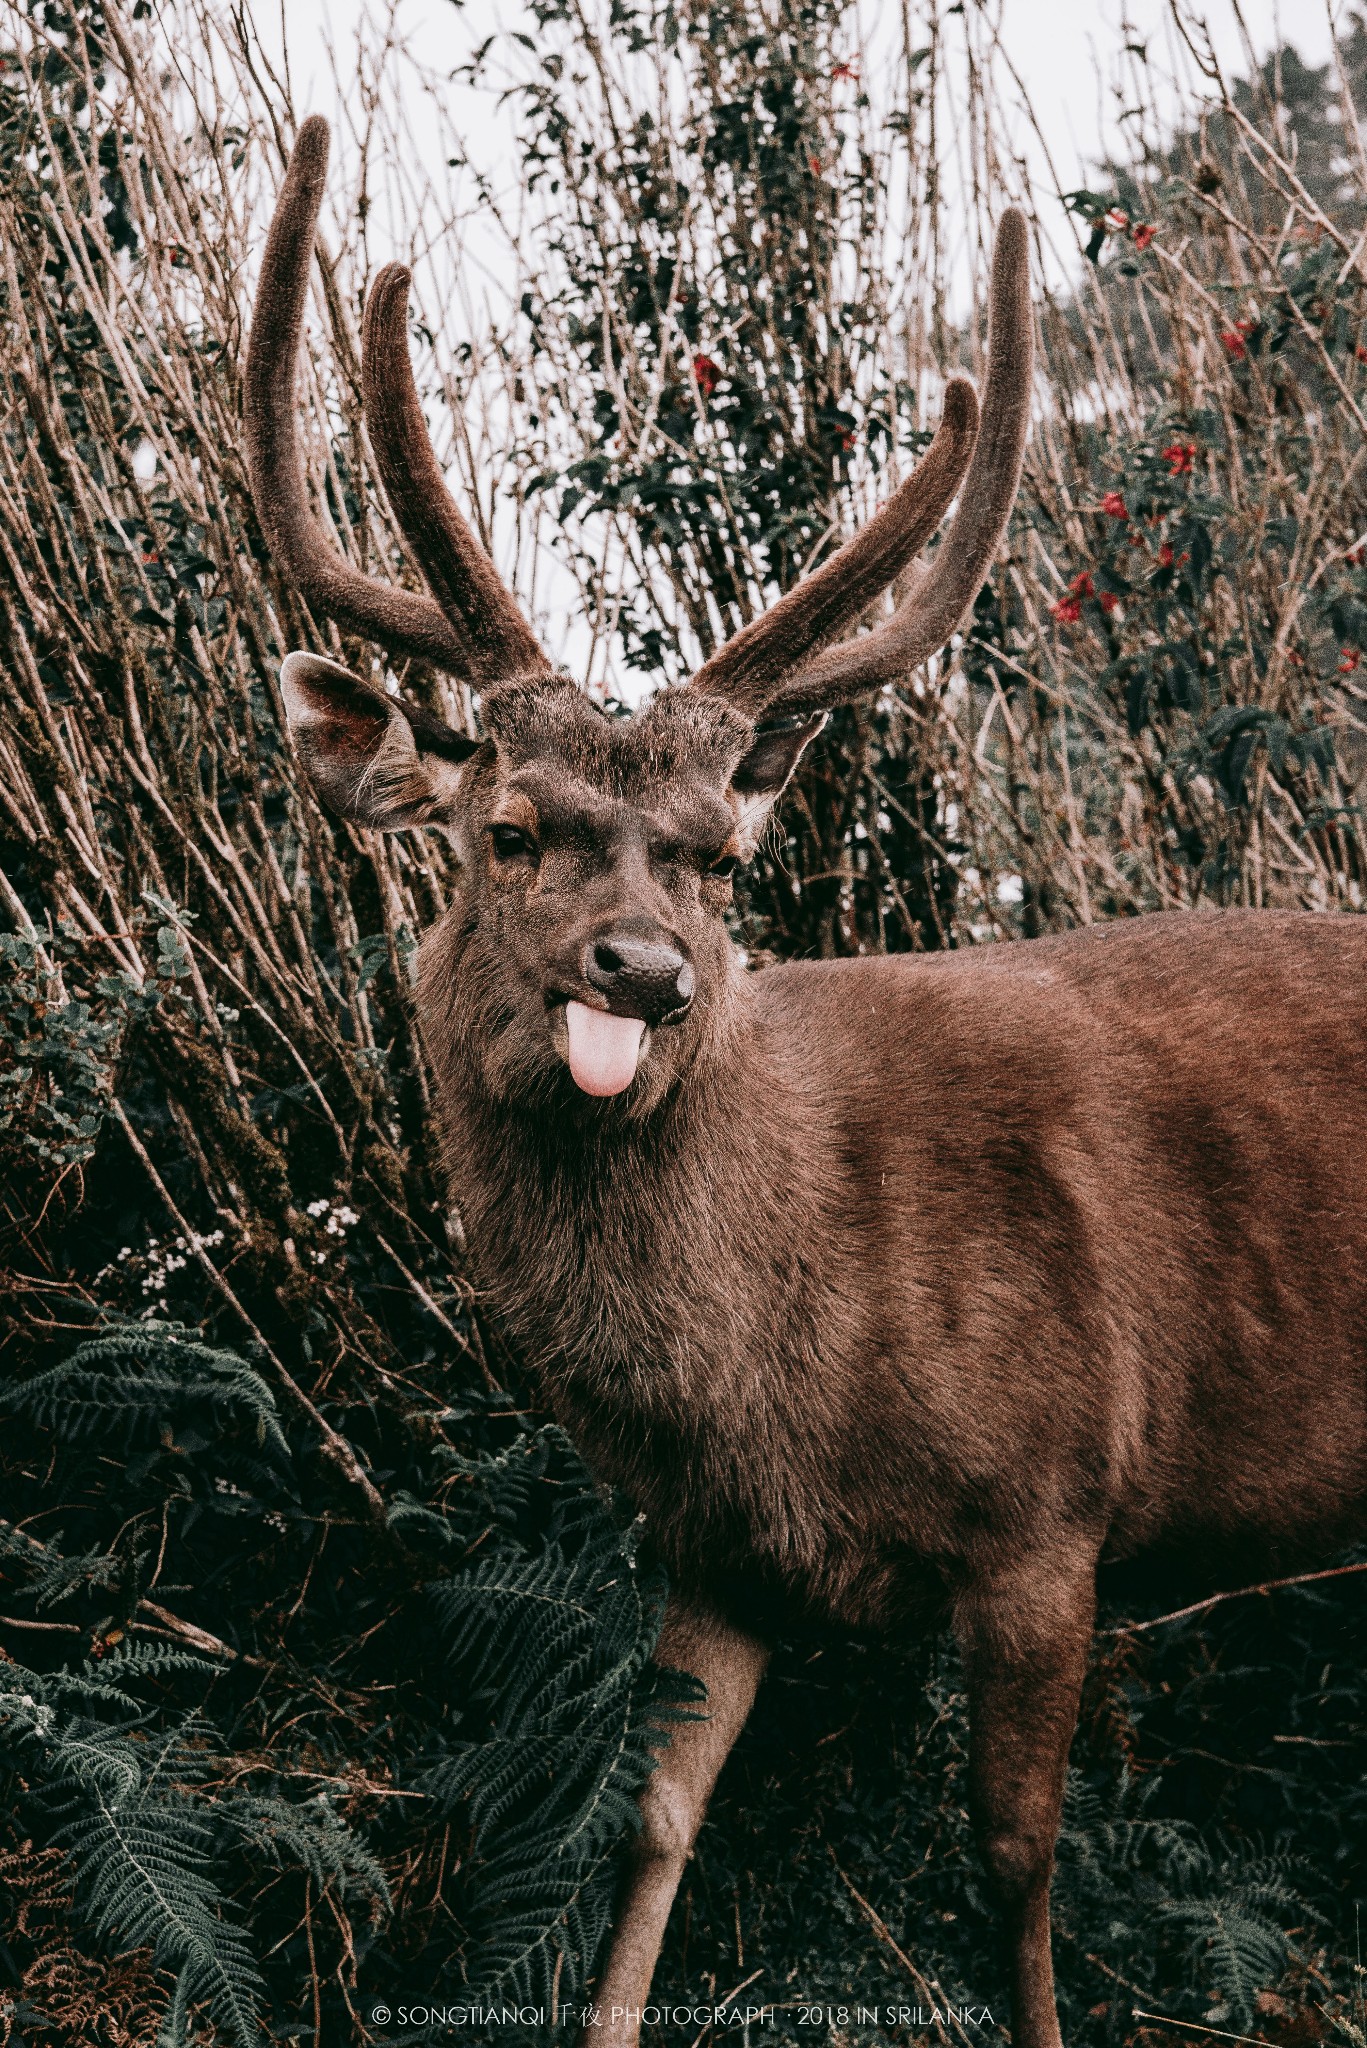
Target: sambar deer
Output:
[(891, 1289)]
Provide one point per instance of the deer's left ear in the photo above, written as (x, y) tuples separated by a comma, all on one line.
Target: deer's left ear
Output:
[(766, 769), (371, 758)]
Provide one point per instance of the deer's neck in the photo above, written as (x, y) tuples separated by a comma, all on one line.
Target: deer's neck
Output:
[(685, 1285), (647, 1266), (642, 1254), (698, 1291)]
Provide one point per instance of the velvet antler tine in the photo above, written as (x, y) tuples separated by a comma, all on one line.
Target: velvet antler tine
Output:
[(746, 671), (405, 622), (459, 572), (925, 621)]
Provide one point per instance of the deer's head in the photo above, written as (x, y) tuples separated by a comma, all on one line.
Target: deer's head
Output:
[(597, 852)]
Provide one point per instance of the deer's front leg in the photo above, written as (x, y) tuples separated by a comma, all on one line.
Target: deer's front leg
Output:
[(1025, 1633), (672, 1809)]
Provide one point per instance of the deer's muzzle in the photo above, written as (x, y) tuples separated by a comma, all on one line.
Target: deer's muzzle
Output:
[(644, 978)]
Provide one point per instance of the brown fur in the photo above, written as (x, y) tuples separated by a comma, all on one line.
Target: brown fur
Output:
[(894, 1290)]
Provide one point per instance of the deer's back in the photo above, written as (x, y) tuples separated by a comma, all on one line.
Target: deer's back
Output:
[(1111, 1202)]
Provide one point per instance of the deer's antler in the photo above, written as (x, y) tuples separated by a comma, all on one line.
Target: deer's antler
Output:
[(477, 622), (751, 666), (769, 667), (462, 578)]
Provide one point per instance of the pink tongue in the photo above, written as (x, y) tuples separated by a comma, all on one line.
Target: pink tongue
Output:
[(603, 1049)]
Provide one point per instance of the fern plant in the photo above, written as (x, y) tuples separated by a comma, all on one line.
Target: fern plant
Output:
[(137, 1380), (550, 1644), (531, 1727), (1224, 1907), (129, 1814)]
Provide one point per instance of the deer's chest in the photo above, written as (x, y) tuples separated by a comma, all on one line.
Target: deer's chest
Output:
[(726, 1394), (684, 1401)]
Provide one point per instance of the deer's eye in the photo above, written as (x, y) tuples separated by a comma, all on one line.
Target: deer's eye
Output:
[(510, 842), (725, 867)]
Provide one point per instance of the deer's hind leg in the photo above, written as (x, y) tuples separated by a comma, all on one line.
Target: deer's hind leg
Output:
[(672, 1808), (1025, 1632)]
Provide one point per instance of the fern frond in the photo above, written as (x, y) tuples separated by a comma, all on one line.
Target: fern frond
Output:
[(139, 1846), (132, 1379), (313, 1838), (554, 1647), (143, 1879)]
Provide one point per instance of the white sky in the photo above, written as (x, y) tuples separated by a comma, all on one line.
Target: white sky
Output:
[(1061, 48)]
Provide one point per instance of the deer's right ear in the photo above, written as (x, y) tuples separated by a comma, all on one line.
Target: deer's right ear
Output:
[(370, 757), (764, 772)]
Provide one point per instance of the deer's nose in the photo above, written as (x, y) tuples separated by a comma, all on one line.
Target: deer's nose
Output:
[(639, 977)]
